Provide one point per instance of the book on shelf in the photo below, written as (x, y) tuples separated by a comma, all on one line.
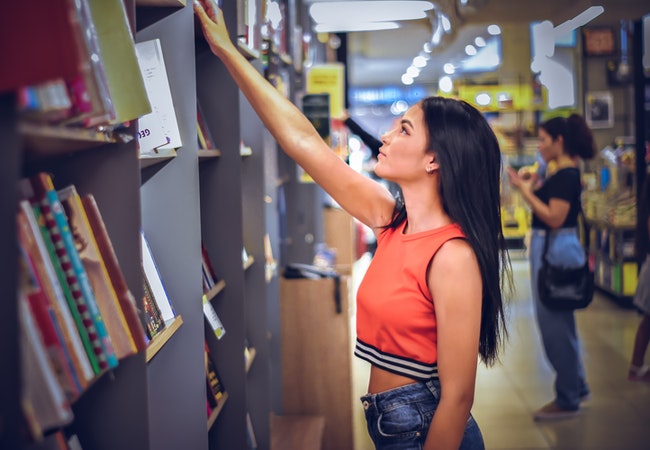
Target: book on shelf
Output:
[(209, 276), (32, 52), (43, 399), (152, 316), (39, 189), (84, 327), (157, 130), (39, 248), (125, 82), (155, 283), (214, 386), (90, 93), (205, 136), (49, 331), (124, 295), (72, 265), (213, 319), (91, 258)]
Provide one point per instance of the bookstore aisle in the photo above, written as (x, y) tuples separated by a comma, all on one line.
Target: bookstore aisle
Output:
[(615, 418)]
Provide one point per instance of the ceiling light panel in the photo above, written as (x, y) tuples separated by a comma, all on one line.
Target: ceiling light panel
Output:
[(369, 11)]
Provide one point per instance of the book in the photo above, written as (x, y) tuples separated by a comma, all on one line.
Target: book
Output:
[(209, 277), (215, 389), (213, 319), (205, 136), (124, 295), (49, 330), (78, 310), (156, 286), (28, 47), (44, 403), (125, 82), (158, 130), (73, 267), (33, 244), (93, 104), (152, 316), (91, 258)]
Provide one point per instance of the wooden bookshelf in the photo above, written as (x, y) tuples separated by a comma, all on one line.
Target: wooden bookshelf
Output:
[(216, 411), (215, 290), (207, 154), (157, 343), (157, 158)]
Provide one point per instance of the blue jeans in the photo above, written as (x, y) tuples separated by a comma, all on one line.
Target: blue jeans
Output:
[(399, 419), (558, 328)]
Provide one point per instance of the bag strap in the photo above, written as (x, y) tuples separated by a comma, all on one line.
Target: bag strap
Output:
[(582, 223)]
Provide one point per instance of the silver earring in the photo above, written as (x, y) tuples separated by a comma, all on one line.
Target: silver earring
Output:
[(429, 170)]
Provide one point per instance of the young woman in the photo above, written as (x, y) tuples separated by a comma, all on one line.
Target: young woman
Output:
[(430, 303), (556, 206)]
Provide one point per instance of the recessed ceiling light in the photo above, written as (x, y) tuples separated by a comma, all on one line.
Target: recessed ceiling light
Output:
[(494, 29)]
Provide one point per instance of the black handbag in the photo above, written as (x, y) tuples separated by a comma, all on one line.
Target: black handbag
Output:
[(566, 289)]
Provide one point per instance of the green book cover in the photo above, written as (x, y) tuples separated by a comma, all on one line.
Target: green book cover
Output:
[(118, 55), (83, 333)]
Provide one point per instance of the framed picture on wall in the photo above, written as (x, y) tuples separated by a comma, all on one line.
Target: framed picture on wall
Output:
[(599, 109), (598, 41)]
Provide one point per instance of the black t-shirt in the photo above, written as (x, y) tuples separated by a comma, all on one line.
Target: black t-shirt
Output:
[(565, 185)]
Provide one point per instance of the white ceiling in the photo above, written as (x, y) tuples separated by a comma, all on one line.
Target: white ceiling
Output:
[(380, 57)]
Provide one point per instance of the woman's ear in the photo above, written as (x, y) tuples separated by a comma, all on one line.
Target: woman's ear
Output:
[(432, 165)]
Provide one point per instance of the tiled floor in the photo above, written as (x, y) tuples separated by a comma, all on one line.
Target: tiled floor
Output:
[(616, 418)]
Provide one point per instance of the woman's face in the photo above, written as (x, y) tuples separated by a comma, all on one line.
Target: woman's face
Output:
[(403, 156), (548, 148)]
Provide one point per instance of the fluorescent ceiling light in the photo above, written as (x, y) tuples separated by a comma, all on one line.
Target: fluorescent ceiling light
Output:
[(349, 27), (369, 11)]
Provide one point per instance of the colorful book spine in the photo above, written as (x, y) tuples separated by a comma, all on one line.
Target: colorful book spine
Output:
[(32, 242), (50, 332), (78, 310), (100, 282), (75, 273)]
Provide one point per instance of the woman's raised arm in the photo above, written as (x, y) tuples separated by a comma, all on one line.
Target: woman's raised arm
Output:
[(365, 199)]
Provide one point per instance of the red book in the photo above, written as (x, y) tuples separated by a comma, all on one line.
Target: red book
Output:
[(125, 297), (48, 330)]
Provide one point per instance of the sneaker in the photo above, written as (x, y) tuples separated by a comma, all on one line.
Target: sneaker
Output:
[(552, 411), (639, 374)]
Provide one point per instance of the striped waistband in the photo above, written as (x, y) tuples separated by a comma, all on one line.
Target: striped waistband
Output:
[(395, 363)]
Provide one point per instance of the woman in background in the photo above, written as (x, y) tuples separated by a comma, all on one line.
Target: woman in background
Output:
[(556, 205), (430, 303)]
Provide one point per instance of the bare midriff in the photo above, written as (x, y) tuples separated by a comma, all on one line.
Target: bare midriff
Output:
[(382, 380)]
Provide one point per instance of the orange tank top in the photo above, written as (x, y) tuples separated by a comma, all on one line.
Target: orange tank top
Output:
[(396, 318)]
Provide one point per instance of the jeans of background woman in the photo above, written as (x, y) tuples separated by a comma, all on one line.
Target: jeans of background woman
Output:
[(558, 328), (399, 419)]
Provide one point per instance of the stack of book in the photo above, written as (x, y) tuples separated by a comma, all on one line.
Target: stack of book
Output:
[(78, 318)]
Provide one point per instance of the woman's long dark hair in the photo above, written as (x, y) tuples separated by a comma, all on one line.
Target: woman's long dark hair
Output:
[(469, 157)]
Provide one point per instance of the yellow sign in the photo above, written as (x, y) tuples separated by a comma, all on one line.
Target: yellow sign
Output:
[(328, 79)]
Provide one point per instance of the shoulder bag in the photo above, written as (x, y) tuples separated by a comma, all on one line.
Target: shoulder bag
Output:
[(566, 289)]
